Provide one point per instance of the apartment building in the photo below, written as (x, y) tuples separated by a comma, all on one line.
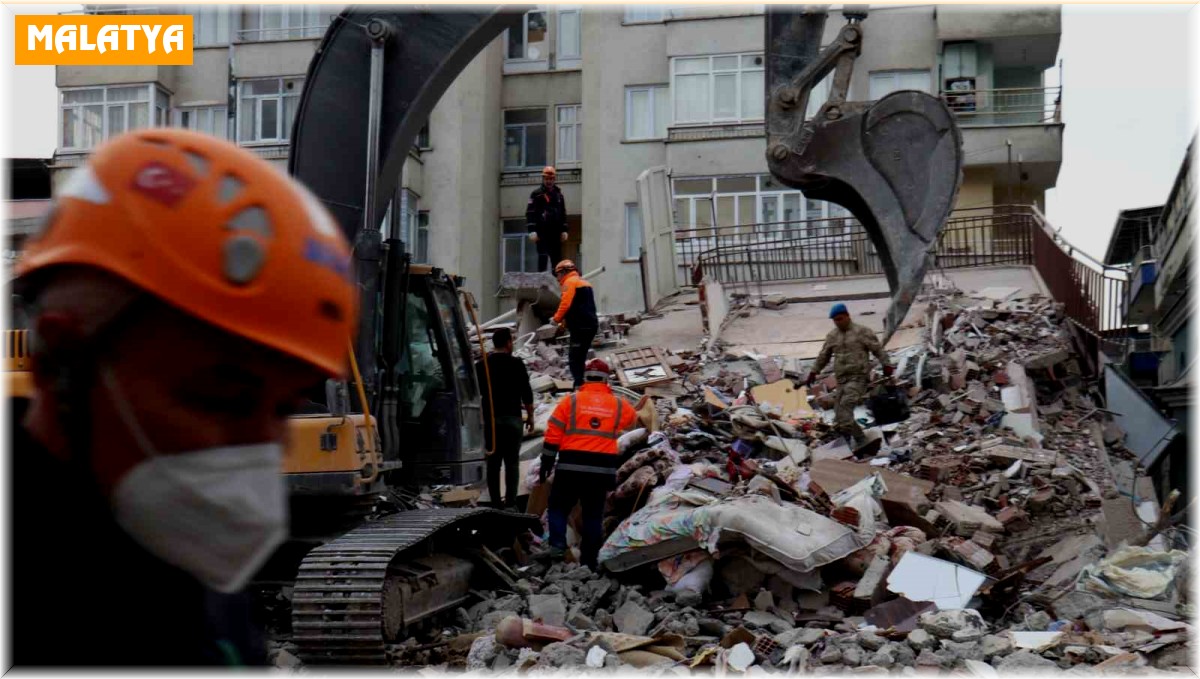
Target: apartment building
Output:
[(603, 93), (1155, 244)]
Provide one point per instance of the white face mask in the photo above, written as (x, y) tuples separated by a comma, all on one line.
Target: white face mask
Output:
[(216, 513)]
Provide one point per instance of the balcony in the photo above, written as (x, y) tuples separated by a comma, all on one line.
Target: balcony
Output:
[(1139, 303), (1011, 106), (1011, 130)]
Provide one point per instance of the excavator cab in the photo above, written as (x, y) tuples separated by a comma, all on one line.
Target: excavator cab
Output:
[(439, 408)]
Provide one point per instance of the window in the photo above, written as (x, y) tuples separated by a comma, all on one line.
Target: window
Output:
[(162, 108), (519, 254), (266, 109), (570, 136), (748, 201), (524, 138), (569, 37), (206, 119), (210, 24), (633, 231), (714, 89), (884, 83), (647, 110), (423, 137), (91, 115), (282, 22), (529, 43), (644, 14), (421, 239)]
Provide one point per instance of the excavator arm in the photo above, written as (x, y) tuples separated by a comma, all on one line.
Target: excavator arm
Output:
[(895, 164)]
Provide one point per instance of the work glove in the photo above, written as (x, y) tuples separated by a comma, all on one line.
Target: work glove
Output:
[(888, 370), (812, 377), (533, 236), (564, 237), (545, 467)]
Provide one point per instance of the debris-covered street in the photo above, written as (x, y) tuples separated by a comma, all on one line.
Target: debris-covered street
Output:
[(982, 530)]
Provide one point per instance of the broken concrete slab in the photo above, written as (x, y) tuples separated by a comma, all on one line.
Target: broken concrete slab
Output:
[(967, 519), (631, 618), (946, 623), (550, 609)]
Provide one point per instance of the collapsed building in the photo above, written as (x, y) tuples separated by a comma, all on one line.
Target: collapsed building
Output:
[(996, 522)]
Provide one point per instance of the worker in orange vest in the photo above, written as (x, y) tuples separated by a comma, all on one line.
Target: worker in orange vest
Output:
[(582, 434), (577, 314)]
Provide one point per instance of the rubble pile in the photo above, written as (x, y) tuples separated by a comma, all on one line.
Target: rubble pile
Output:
[(970, 535)]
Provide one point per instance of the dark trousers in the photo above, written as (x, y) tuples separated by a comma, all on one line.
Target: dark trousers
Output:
[(507, 453), (590, 490), (577, 352), (549, 251)]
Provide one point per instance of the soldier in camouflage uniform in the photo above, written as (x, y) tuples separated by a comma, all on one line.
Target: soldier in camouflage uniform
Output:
[(852, 345)]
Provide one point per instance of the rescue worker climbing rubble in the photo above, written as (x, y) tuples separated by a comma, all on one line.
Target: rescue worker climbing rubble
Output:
[(851, 346), (577, 313), (184, 297), (582, 434)]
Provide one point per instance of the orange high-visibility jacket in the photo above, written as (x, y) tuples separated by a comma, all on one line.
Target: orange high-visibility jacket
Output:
[(584, 428), (577, 306)]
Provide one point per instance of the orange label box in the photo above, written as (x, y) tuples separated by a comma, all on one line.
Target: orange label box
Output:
[(99, 40)]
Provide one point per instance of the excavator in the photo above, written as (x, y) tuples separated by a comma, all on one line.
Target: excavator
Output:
[(411, 414)]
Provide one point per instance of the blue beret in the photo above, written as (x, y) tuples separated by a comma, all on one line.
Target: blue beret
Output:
[(838, 308)]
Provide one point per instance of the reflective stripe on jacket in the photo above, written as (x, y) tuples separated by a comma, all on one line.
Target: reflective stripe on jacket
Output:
[(585, 426)]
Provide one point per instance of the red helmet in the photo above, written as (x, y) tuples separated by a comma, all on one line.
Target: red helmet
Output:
[(597, 370)]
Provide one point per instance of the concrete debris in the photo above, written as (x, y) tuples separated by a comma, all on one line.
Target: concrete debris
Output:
[(631, 618), (972, 536), (945, 624)]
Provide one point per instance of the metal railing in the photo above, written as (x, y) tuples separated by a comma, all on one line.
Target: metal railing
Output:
[(1092, 293), (1010, 106), (835, 247), (1003, 235)]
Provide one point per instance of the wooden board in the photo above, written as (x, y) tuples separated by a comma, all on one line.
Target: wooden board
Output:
[(642, 367)]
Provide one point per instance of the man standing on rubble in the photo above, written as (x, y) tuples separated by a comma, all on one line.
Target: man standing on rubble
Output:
[(577, 313), (582, 433), (853, 345), (175, 329), (546, 219), (508, 389)]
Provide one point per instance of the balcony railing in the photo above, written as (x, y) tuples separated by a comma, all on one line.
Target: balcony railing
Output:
[(1002, 235), (1011, 106)]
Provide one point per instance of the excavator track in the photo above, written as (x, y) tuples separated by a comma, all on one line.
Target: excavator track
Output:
[(354, 594)]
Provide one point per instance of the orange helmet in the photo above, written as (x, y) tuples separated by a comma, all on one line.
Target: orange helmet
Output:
[(563, 267), (214, 231)]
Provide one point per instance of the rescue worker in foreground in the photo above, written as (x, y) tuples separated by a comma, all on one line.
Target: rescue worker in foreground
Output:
[(184, 297), (546, 219), (582, 433), (851, 345), (507, 382), (577, 313)]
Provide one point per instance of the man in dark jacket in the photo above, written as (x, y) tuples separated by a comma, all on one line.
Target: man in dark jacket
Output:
[(509, 390), (546, 219)]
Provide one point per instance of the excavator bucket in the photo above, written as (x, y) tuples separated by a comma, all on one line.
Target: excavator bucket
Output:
[(895, 164)]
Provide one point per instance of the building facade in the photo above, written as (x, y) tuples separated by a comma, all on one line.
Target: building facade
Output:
[(602, 94), (1151, 381)]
